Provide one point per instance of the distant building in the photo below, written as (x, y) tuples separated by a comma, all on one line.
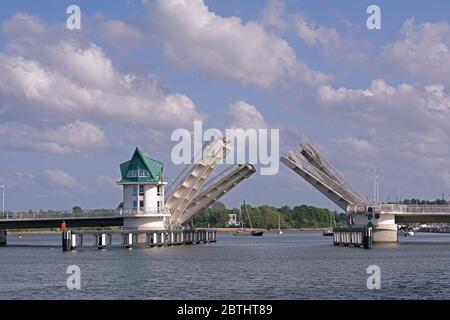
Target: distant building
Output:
[(143, 192), (232, 220)]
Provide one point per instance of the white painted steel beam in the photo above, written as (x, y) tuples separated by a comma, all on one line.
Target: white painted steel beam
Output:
[(213, 153), (227, 181), (327, 186), (317, 160)]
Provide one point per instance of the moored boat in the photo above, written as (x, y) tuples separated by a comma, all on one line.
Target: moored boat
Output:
[(242, 231)]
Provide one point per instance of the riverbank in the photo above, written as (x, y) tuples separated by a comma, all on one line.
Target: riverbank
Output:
[(273, 230), (222, 230)]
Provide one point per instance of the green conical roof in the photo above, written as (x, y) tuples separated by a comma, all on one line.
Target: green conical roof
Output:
[(141, 161)]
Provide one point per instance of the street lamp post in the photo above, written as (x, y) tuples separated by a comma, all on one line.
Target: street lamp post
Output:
[(375, 182), (3, 198)]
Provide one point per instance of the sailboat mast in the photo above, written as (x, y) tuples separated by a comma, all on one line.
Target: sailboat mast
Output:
[(241, 219), (248, 216), (279, 221), (331, 217), (332, 220)]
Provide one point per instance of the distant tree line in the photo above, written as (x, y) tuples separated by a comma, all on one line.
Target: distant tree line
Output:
[(76, 211), (266, 217)]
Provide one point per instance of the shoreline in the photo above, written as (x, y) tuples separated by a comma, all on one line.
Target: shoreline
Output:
[(273, 230), (221, 230)]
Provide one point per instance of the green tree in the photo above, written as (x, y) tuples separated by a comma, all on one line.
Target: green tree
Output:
[(77, 210)]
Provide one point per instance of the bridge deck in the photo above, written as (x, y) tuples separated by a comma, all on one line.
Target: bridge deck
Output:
[(422, 218), (71, 222)]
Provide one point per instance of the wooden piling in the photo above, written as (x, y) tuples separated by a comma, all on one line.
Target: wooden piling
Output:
[(3, 237), (67, 240), (353, 236)]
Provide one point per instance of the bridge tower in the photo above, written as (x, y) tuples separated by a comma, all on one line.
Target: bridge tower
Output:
[(143, 204)]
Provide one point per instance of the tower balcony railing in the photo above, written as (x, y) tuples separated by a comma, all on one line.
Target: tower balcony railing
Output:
[(143, 211)]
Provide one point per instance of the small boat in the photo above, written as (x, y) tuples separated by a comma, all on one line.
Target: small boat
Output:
[(329, 232), (242, 231), (279, 224), (406, 231)]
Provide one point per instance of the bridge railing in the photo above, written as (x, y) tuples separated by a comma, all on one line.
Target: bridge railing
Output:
[(402, 208), (428, 208), (59, 214), (393, 208), (85, 213), (335, 186), (142, 211)]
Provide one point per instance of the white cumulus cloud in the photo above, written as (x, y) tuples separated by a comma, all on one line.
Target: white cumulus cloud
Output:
[(57, 178), (422, 52), (225, 46), (70, 138), (403, 128), (48, 73), (245, 116)]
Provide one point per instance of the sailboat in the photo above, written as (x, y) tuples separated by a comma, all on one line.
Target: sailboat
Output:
[(329, 232), (279, 223), (242, 231)]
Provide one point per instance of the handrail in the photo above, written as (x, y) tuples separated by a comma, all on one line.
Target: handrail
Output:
[(326, 167), (185, 172), (220, 176), (142, 211), (428, 208), (319, 175), (394, 208), (87, 213)]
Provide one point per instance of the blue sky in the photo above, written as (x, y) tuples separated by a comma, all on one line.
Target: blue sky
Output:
[(75, 103)]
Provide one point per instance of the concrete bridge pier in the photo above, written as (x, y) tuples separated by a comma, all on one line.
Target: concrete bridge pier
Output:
[(385, 230), (387, 234), (3, 234), (384, 226)]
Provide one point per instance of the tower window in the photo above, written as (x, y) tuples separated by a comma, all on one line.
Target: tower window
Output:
[(134, 203), (144, 173), (132, 173), (158, 190), (135, 188), (141, 190)]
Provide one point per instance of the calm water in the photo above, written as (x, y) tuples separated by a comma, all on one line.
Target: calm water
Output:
[(300, 265)]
